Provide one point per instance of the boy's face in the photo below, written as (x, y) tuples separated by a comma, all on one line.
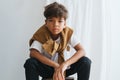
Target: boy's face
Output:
[(55, 25)]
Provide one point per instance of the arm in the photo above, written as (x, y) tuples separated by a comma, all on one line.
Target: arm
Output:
[(59, 73), (36, 54), (79, 53)]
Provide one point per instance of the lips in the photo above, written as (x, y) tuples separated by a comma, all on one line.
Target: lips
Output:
[(55, 29)]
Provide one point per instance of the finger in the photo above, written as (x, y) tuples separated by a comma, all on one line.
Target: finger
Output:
[(55, 76), (63, 76), (60, 77)]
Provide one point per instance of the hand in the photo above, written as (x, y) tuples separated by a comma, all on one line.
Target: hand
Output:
[(59, 72)]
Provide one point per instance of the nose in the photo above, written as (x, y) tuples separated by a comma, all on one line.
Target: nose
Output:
[(56, 23)]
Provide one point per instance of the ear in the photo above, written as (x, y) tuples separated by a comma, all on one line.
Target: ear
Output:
[(65, 24), (45, 21)]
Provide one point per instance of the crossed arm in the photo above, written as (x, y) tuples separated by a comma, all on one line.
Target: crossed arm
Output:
[(59, 69)]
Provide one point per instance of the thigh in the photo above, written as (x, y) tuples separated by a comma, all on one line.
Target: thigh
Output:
[(43, 70), (77, 65)]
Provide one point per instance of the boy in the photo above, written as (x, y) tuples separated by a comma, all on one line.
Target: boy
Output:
[(50, 50)]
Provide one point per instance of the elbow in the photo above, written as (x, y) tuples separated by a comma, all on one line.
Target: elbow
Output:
[(31, 54), (84, 53), (34, 53)]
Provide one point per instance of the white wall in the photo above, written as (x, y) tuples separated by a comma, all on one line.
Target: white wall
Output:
[(18, 20), (115, 40)]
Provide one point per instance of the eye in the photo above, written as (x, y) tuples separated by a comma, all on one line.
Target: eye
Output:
[(61, 21), (50, 20)]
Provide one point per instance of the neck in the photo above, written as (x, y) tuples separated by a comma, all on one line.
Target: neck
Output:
[(54, 37)]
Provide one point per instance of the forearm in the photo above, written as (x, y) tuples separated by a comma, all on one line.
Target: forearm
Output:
[(59, 73), (43, 59), (75, 57)]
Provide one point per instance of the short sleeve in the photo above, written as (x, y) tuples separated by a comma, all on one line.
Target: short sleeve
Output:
[(74, 40), (36, 45)]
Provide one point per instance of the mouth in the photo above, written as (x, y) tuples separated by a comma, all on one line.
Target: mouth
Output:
[(55, 30)]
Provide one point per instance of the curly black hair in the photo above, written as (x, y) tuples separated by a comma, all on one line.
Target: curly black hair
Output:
[(55, 10)]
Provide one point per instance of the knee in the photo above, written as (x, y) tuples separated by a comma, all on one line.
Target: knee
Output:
[(30, 62), (86, 61)]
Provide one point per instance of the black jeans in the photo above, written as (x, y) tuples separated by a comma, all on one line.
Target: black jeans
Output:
[(34, 68)]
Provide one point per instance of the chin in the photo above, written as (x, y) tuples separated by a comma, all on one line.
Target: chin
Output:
[(55, 34)]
